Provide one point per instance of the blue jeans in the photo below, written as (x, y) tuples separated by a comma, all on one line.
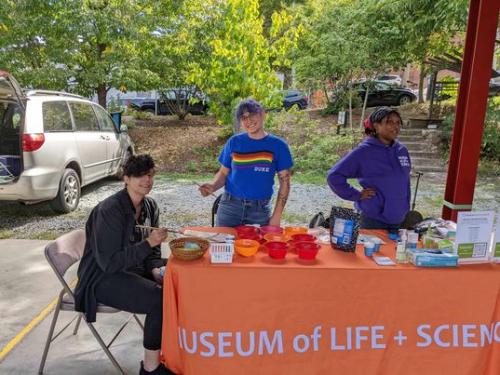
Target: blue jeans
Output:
[(369, 223), (235, 211)]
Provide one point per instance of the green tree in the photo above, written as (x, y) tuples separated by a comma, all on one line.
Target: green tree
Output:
[(432, 28), (239, 65), (85, 46)]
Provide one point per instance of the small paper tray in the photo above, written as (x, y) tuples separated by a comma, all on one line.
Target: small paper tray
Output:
[(221, 252)]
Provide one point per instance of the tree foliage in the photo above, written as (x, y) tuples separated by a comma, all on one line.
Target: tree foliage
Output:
[(240, 63), (349, 38), (85, 46)]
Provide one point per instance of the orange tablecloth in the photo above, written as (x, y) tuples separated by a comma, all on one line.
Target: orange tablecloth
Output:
[(342, 314)]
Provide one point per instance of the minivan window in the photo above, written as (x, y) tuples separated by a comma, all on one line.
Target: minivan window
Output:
[(84, 117), (104, 119), (56, 117)]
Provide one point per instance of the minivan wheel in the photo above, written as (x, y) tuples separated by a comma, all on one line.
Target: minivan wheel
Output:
[(68, 195)]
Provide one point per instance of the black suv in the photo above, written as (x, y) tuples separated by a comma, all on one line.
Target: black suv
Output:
[(294, 98), (173, 100)]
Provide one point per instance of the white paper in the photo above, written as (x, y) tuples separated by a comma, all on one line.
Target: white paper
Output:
[(473, 237), (384, 261)]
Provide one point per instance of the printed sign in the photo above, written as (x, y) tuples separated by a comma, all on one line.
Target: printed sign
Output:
[(473, 236)]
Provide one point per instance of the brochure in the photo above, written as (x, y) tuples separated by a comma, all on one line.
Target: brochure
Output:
[(473, 236)]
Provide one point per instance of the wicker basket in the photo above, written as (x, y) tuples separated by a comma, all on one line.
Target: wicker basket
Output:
[(180, 252)]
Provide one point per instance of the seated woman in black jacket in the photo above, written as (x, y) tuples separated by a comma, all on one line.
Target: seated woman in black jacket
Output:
[(121, 263)]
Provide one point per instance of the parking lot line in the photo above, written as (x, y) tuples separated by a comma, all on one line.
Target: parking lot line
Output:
[(27, 329)]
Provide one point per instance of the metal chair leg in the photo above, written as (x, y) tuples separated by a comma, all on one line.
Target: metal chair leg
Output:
[(105, 348), (119, 331), (75, 331), (49, 336), (139, 322)]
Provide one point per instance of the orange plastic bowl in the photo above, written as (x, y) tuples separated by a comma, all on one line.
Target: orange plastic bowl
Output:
[(270, 229), (307, 250), (275, 237), (246, 248), (295, 230), (276, 250)]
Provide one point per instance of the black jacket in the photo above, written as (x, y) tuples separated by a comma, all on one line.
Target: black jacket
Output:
[(109, 247)]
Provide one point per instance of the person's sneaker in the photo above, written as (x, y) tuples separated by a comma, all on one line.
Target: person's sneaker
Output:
[(160, 370)]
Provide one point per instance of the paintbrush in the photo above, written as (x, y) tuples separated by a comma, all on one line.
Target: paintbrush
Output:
[(212, 194), (153, 228)]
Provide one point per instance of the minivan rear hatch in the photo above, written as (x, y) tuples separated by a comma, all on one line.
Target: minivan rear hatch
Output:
[(12, 107), (10, 89)]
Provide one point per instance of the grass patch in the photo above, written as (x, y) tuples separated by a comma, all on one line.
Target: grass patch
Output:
[(295, 218), (183, 177), (489, 168), (6, 234), (15, 209), (309, 178), (47, 235)]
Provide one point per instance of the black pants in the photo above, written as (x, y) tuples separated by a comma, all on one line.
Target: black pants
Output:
[(131, 292)]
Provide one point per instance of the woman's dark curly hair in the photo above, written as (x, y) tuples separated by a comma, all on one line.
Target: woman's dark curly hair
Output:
[(138, 165)]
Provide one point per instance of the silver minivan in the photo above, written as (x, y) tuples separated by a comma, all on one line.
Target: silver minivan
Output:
[(53, 143)]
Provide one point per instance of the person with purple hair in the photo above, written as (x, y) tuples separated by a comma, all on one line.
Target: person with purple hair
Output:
[(249, 161), (382, 166)]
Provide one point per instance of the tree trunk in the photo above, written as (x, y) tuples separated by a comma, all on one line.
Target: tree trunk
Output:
[(406, 75), (421, 80), (287, 78), (365, 101), (101, 94)]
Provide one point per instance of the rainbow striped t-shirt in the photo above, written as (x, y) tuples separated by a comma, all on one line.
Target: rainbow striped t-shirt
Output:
[(253, 164)]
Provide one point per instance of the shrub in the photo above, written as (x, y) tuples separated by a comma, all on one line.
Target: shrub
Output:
[(490, 144), (140, 115), (315, 149), (341, 103)]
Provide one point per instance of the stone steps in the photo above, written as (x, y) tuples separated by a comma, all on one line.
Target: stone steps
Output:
[(423, 149)]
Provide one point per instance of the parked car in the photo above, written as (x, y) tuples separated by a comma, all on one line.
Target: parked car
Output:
[(53, 143), (295, 98), (390, 79), (380, 93), (194, 102), (494, 87)]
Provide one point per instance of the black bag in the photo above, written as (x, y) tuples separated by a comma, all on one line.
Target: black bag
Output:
[(344, 228), (319, 220)]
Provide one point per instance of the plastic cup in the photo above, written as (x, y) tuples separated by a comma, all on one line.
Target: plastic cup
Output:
[(377, 242), (369, 248)]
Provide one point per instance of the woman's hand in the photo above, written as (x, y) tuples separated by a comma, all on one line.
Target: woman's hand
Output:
[(206, 189), (367, 193), (157, 275), (157, 236)]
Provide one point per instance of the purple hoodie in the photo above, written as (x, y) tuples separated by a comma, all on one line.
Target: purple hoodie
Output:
[(384, 168)]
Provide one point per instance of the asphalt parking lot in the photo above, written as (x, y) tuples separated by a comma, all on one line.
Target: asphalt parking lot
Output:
[(29, 289)]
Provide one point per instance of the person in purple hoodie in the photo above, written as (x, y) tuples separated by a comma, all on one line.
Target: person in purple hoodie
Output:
[(382, 166)]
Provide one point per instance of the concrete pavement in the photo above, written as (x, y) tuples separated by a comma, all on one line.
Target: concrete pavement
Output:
[(28, 286)]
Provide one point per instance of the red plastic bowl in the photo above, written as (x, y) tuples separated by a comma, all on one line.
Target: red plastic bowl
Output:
[(246, 229), (303, 237), (270, 229), (276, 250), (307, 250)]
